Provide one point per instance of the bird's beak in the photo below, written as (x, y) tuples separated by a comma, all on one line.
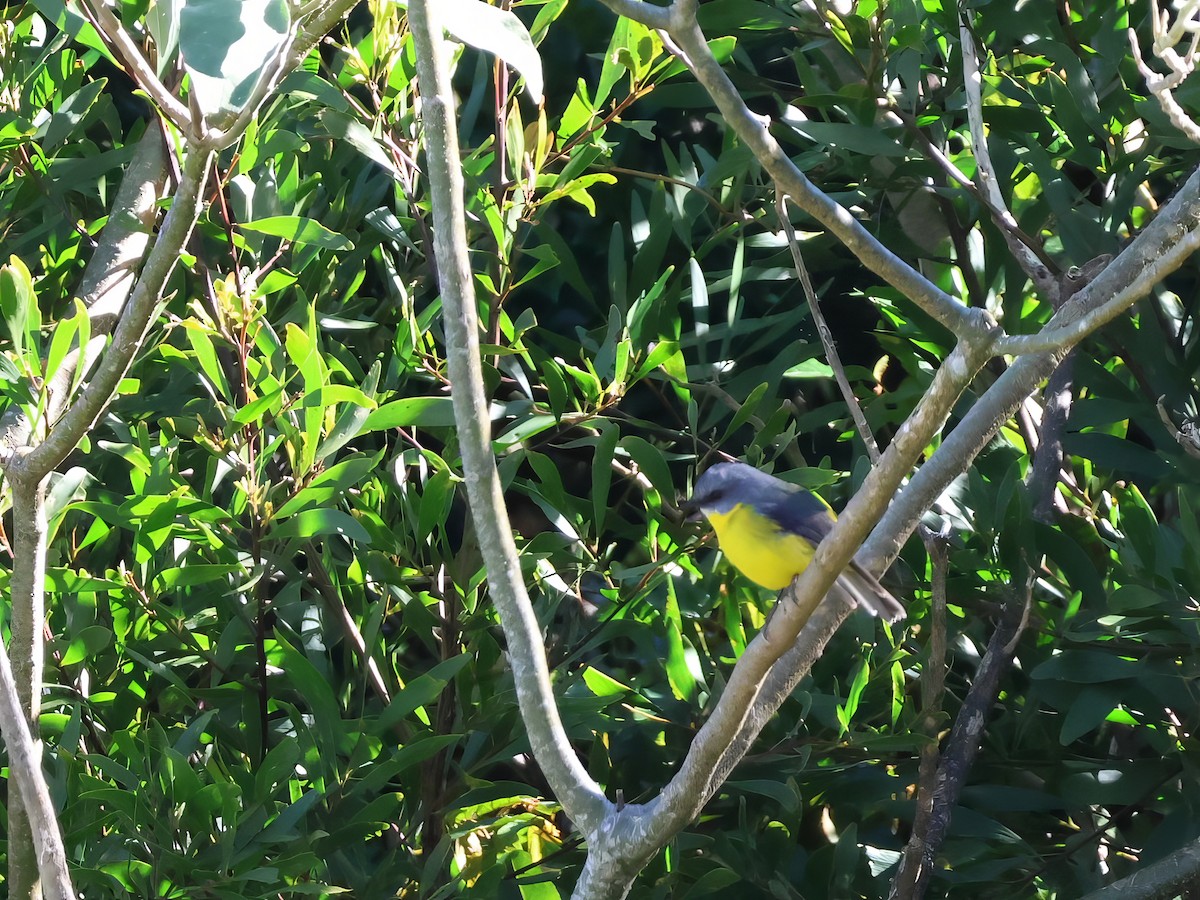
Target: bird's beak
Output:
[(691, 511)]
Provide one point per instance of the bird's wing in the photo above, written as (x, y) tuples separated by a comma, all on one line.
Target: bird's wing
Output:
[(804, 514)]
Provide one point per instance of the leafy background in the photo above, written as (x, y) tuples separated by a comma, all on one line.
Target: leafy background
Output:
[(274, 668)]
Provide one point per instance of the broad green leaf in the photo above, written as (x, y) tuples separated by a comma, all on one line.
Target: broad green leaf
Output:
[(352, 418), (603, 685), (1087, 667), (315, 692), (310, 523), (162, 21), (304, 351), (651, 461), (71, 333), (300, 231), (865, 139), (499, 32), (606, 446), (206, 355), (678, 663), (331, 484), (426, 412), (785, 794), (90, 641), (253, 412), (67, 119), (421, 691), (227, 46)]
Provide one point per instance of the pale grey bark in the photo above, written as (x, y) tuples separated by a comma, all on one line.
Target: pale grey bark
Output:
[(580, 796)]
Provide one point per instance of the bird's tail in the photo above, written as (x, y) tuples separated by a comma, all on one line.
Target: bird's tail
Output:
[(869, 594)]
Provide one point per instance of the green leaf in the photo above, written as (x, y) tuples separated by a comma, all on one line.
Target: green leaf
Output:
[(253, 412), (1087, 712), (227, 46), (785, 794), (423, 412), (314, 689), (206, 355), (352, 418), (311, 523), (678, 662), (67, 119), (651, 461), (865, 139), (300, 231), (358, 136), (162, 21), (303, 350), (603, 685), (18, 303), (1087, 667), (421, 691), (87, 643), (606, 446), (522, 430), (68, 334), (499, 32), (331, 484)]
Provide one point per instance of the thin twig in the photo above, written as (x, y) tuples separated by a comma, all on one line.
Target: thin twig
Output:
[(933, 684), (835, 361), (139, 69), (1037, 271)]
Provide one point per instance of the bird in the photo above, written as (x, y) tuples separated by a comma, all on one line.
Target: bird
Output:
[(769, 529)]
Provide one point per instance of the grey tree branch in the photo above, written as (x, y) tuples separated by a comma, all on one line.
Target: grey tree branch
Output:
[(1157, 251), (27, 587), (36, 810), (130, 331), (107, 280), (574, 788), (140, 70), (1161, 879), (316, 19), (835, 361)]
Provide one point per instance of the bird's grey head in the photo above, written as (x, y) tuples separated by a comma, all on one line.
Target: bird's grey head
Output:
[(725, 485)]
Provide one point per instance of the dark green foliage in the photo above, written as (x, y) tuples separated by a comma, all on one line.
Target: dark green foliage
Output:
[(273, 667)]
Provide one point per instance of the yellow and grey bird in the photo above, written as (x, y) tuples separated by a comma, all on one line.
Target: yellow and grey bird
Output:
[(769, 530)]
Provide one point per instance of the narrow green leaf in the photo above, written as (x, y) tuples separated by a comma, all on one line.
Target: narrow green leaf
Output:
[(606, 446), (424, 412), (311, 523), (66, 336), (421, 691), (17, 301), (499, 32), (299, 230), (206, 355)]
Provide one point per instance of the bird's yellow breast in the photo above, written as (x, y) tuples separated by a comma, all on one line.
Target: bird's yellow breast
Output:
[(758, 548)]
